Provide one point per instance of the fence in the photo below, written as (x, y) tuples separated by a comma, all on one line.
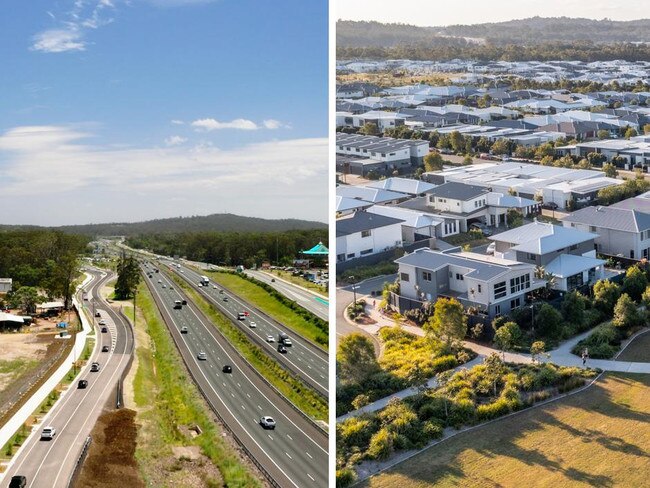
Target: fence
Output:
[(80, 462)]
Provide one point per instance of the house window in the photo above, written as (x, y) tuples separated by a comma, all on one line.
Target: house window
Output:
[(519, 283), (340, 257), (404, 276), (516, 303), (458, 204), (479, 289), (426, 275), (365, 252), (645, 254), (365, 233), (592, 228), (500, 290), (497, 310), (351, 255), (631, 254), (531, 256), (574, 281), (459, 277)]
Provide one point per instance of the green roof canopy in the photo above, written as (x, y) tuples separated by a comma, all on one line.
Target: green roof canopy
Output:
[(318, 250)]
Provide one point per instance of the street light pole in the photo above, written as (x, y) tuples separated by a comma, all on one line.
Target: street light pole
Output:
[(354, 289)]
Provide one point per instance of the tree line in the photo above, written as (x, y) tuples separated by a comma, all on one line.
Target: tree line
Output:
[(233, 248), (42, 263), (549, 51)]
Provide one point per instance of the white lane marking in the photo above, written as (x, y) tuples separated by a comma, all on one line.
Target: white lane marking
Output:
[(289, 437), (310, 477), (309, 455), (288, 455)]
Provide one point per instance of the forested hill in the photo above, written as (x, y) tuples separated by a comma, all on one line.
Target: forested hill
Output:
[(178, 225), (531, 31)]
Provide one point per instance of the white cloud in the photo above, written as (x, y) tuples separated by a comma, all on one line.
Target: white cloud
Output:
[(70, 35), (177, 122), (68, 180), (58, 41), (275, 124), (175, 140), (212, 124), (178, 3)]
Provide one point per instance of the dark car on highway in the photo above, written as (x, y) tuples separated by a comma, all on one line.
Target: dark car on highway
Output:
[(82, 384), (94, 367), (104, 348), (18, 482), (227, 369)]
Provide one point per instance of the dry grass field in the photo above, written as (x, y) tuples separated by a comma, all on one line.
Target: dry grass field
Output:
[(599, 437)]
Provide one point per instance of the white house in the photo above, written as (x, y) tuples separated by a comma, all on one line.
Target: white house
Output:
[(363, 234)]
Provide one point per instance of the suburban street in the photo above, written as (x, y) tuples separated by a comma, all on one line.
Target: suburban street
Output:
[(295, 453), (304, 358), (345, 296), (51, 463)]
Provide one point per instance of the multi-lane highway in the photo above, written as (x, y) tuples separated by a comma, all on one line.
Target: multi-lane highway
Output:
[(316, 304), (51, 463), (303, 358), (294, 454)]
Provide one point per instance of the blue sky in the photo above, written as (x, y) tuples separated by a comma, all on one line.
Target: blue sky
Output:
[(122, 110)]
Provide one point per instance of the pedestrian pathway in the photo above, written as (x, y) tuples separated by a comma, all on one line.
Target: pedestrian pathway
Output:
[(561, 356)]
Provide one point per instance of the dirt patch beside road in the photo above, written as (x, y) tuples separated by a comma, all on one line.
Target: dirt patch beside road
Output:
[(111, 459)]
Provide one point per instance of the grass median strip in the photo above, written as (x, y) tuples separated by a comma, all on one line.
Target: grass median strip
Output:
[(170, 405), (277, 306), (305, 398)]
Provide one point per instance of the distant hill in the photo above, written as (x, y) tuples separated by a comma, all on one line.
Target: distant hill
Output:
[(214, 222), (531, 31)]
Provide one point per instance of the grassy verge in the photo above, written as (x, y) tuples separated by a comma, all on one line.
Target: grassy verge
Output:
[(638, 350), (170, 403), (292, 388), (276, 306), (361, 273), (472, 238), (297, 280), (598, 437)]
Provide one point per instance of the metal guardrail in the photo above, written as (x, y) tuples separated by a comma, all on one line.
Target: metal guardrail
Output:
[(80, 461), (261, 376), (240, 443)]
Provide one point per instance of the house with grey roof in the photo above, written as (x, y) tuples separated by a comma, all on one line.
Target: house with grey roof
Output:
[(621, 231), (370, 195), (461, 205), (492, 285), (364, 234), (567, 253), (416, 226), (412, 187)]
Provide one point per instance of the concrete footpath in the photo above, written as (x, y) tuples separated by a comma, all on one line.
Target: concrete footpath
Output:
[(561, 356), (20, 417)]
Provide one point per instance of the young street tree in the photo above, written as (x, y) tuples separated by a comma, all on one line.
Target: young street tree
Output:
[(433, 162), (625, 312), (448, 323), (356, 359), (537, 350), (128, 277), (507, 336)]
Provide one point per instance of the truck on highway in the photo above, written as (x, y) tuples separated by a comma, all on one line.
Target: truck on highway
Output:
[(205, 281), (283, 339)]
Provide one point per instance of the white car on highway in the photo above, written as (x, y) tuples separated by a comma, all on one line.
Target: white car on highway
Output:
[(269, 338), (48, 432), (202, 356), (267, 422), (252, 325)]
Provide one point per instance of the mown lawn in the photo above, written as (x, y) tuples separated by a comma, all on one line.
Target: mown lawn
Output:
[(169, 402), (261, 299), (599, 437), (638, 350)]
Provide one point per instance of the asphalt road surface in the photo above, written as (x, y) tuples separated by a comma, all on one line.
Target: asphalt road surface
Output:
[(51, 463), (345, 296), (306, 360), (315, 304), (295, 453)]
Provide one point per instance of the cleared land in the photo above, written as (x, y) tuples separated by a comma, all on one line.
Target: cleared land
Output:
[(261, 299), (638, 350), (599, 437)]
